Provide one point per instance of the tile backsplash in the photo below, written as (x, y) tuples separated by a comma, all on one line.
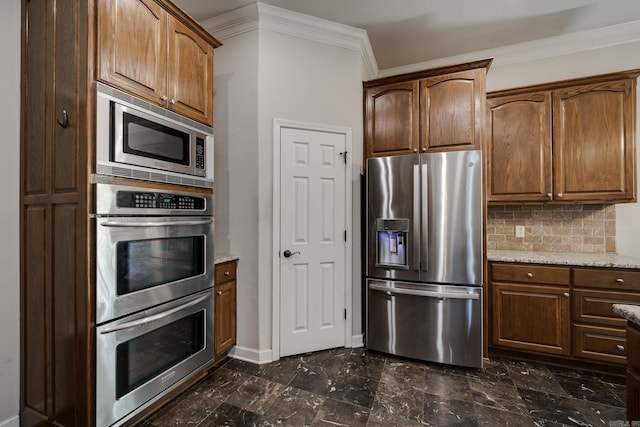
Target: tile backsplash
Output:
[(555, 228)]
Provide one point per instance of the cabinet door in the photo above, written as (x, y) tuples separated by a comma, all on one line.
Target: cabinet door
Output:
[(190, 73), (594, 141), (225, 317), (132, 49), (391, 119), (519, 148), (530, 317), (452, 108)]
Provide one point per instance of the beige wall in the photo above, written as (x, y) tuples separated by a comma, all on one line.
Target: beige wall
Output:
[(10, 213)]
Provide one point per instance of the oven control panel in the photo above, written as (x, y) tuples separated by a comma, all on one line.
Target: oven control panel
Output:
[(153, 200)]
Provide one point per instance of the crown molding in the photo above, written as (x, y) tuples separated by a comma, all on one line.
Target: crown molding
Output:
[(266, 17), (549, 47)]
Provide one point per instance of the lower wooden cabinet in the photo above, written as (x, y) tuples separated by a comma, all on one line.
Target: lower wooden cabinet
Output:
[(561, 311), (527, 313), (633, 372), (225, 308)]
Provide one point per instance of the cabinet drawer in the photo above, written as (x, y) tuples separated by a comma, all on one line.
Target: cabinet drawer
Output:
[(624, 280), (528, 273), (600, 343), (225, 272), (633, 343), (592, 306)]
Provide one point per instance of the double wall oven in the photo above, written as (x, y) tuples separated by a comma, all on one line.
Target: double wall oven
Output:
[(154, 302)]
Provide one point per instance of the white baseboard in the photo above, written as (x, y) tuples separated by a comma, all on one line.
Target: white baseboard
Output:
[(357, 340), (251, 355), (11, 422)]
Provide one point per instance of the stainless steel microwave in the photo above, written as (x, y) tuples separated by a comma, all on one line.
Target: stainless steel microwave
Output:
[(136, 139)]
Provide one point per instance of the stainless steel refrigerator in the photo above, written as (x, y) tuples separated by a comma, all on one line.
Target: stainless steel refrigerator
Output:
[(424, 256)]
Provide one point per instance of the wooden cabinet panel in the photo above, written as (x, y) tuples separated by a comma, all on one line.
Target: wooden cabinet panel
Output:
[(633, 344), (170, 64), (529, 317), (440, 109), (135, 67), (225, 326), (56, 353), (612, 279), (225, 307), (600, 344), (190, 70), (633, 395), (519, 148), (595, 306), (452, 111), (528, 273), (392, 121), (594, 159), (546, 146)]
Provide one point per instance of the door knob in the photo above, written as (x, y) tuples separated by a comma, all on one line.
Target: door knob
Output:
[(288, 253)]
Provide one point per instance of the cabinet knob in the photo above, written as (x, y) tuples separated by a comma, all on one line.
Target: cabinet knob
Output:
[(219, 292), (566, 294), (620, 347), (424, 149), (529, 275), (226, 273), (620, 280), (415, 150), (549, 195), (173, 101), (559, 194), (163, 98)]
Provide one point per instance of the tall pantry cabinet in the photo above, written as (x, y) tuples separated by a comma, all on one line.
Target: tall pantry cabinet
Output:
[(60, 56)]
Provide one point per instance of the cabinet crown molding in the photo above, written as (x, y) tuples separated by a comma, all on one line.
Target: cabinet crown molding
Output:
[(260, 16)]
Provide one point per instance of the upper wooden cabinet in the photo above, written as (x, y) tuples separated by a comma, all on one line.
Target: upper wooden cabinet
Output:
[(571, 141), (169, 64), (519, 149), (433, 110)]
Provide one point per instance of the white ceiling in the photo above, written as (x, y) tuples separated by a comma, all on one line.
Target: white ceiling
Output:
[(404, 32)]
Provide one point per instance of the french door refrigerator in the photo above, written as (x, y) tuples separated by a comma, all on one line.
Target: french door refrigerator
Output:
[(425, 256)]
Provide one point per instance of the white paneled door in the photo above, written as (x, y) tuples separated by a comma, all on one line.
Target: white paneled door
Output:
[(312, 240)]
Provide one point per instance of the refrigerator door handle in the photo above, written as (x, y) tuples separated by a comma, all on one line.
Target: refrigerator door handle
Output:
[(424, 220), (415, 223), (416, 292)]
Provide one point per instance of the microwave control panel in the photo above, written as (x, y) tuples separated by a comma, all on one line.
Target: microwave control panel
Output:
[(152, 200)]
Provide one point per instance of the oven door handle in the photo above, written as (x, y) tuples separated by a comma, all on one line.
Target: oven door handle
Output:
[(153, 318), (155, 223)]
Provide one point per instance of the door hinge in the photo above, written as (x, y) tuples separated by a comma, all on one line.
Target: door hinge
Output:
[(345, 235), (344, 156), (345, 314)]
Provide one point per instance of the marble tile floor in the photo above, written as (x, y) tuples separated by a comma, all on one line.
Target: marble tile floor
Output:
[(357, 387)]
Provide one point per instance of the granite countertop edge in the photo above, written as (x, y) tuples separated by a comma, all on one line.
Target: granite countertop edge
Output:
[(220, 258), (629, 312), (565, 258)]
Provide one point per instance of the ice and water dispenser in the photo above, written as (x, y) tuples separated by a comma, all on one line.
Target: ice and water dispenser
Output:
[(392, 243)]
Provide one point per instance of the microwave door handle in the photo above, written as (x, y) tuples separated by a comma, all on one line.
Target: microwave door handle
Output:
[(155, 224), (149, 319)]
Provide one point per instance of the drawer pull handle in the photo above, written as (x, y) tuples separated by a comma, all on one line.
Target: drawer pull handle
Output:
[(219, 292), (226, 273), (620, 281), (620, 347), (566, 294), (529, 275)]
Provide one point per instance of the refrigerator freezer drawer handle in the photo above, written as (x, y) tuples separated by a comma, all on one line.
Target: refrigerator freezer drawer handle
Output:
[(419, 293)]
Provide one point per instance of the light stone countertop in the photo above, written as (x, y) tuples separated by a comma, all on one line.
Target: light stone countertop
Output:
[(629, 312), (220, 258), (565, 258)]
